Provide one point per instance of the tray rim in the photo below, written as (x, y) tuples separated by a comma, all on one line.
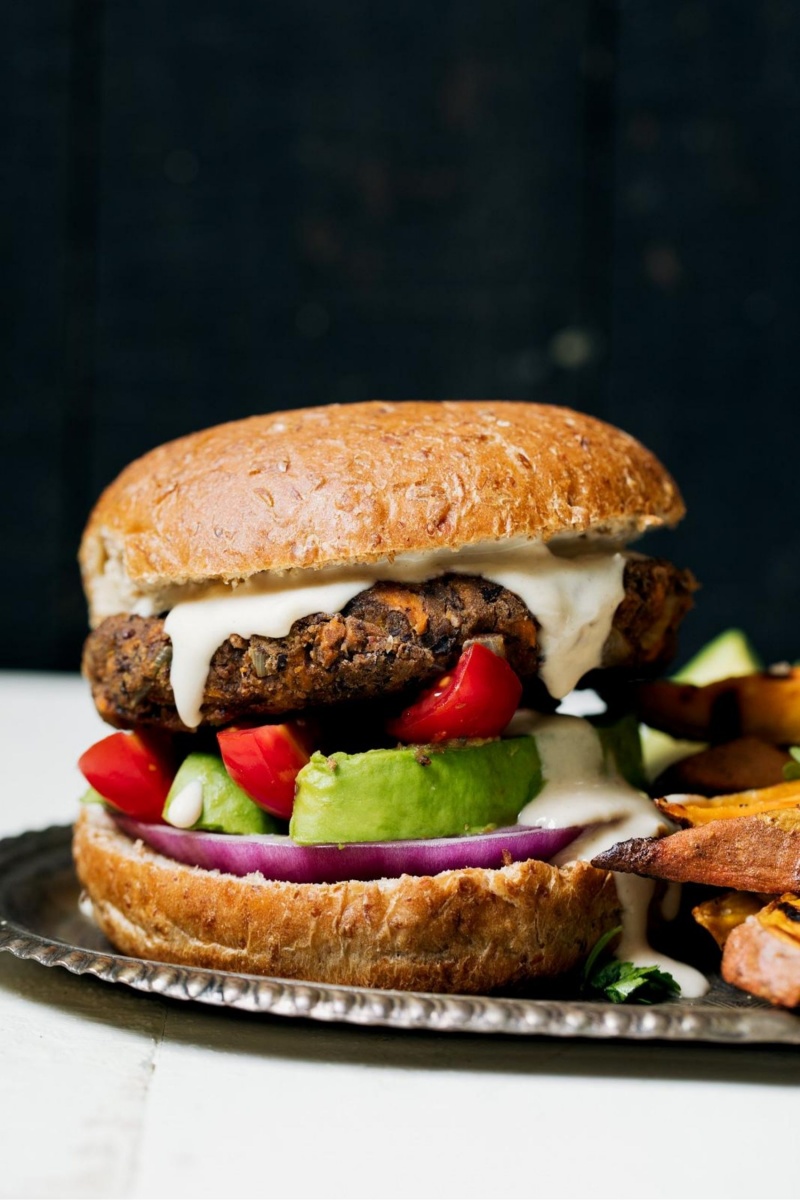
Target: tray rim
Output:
[(23, 856)]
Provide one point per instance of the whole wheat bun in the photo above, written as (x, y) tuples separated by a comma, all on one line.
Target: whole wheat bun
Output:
[(360, 483), (470, 931)]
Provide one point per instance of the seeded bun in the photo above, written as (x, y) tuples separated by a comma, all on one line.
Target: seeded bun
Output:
[(358, 483), (473, 930)]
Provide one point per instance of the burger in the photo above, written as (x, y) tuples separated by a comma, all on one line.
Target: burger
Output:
[(331, 641)]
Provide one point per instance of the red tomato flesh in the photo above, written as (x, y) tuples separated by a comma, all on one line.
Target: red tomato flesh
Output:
[(476, 699), (265, 761), (132, 771)]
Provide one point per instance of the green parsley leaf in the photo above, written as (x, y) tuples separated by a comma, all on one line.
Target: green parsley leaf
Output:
[(596, 951), (623, 982)]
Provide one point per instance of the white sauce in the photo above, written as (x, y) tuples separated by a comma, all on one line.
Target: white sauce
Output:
[(581, 788), (85, 906), (186, 808), (671, 901), (198, 627), (573, 598)]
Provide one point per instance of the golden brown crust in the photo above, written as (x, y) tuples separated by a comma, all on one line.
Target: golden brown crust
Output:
[(363, 482), (462, 931)]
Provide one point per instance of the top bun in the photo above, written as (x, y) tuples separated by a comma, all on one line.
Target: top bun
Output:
[(358, 483)]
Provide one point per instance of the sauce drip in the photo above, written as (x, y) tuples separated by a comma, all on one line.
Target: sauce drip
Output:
[(582, 788)]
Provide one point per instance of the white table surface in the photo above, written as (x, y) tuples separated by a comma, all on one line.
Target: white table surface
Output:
[(108, 1092)]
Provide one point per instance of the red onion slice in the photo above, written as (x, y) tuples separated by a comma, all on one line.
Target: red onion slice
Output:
[(276, 856)]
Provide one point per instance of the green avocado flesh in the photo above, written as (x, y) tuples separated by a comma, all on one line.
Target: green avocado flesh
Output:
[(226, 808), (728, 654), (90, 796), (414, 792), (623, 747)]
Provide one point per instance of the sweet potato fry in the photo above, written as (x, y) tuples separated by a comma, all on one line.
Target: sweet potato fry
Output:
[(746, 762), (699, 810), (722, 914), (764, 705), (750, 854), (762, 955)]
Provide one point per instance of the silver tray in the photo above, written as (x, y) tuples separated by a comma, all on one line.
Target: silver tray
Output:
[(40, 919)]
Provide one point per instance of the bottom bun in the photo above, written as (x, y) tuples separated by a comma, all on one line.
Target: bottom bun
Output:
[(472, 930)]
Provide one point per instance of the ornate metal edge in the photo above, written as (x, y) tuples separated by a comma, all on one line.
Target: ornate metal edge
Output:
[(30, 853)]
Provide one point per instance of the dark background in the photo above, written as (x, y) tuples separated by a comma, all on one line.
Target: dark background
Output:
[(216, 209)]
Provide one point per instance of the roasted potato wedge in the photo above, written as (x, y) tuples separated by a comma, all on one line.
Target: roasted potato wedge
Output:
[(762, 955), (722, 914), (750, 854), (764, 705), (736, 766), (699, 810)]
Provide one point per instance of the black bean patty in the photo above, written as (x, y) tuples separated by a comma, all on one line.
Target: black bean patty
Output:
[(389, 641)]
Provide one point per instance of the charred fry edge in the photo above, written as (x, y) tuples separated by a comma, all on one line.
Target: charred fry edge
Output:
[(751, 854)]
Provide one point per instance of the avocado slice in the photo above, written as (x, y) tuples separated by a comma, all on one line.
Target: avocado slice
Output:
[(92, 796), (728, 654), (414, 791), (224, 807), (622, 748)]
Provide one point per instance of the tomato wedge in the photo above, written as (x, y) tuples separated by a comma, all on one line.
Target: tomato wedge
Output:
[(132, 771), (265, 760), (476, 699)]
